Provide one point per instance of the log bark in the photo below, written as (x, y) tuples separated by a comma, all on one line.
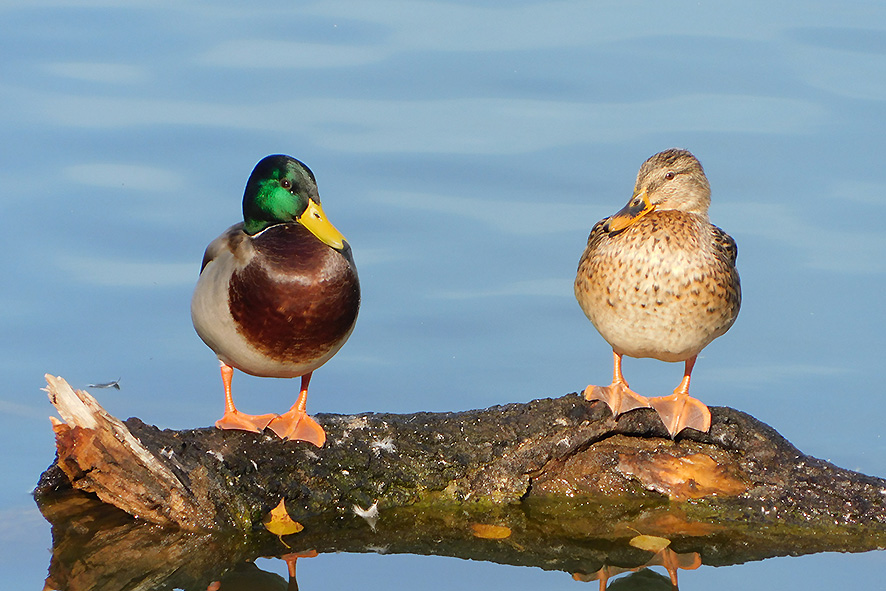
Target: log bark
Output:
[(568, 483)]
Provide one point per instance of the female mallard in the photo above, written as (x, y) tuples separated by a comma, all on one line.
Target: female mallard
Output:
[(657, 279), (278, 294)]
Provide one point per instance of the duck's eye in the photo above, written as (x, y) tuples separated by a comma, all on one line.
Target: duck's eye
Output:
[(669, 175), (286, 184)]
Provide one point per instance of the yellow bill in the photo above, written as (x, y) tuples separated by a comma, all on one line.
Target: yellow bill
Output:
[(315, 220)]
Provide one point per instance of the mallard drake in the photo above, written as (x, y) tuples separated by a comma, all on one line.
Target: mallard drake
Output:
[(658, 280), (278, 294)]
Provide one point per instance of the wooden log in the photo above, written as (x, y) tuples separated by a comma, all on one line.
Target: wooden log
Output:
[(555, 483), (213, 480)]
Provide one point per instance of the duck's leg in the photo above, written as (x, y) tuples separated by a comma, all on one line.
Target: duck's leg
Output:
[(296, 424), (680, 410), (290, 565), (233, 418), (617, 395)]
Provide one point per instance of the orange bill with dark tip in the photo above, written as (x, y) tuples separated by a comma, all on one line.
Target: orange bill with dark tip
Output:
[(638, 206)]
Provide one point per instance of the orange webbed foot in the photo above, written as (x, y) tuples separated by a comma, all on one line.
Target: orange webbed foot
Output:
[(297, 425), (617, 396), (679, 411), (234, 419)]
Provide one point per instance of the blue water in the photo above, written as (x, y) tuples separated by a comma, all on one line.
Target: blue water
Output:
[(464, 149)]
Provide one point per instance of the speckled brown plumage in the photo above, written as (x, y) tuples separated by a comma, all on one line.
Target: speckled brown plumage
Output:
[(657, 279), (664, 287)]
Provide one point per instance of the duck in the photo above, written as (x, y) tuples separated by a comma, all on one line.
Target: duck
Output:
[(658, 280), (278, 293)]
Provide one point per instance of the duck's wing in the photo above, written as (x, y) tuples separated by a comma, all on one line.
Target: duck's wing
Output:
[(724, 245), (229, 241), (598, 233)]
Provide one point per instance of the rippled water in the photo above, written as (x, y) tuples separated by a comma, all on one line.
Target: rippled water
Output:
[(465, 149)]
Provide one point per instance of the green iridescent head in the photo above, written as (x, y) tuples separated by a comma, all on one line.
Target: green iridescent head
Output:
[(281, 189)]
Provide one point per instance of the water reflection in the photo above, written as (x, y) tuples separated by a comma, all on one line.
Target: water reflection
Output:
[(644, 579), (98, 547), (247, 576)]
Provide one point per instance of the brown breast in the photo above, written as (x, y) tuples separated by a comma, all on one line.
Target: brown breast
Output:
[(298, 298)]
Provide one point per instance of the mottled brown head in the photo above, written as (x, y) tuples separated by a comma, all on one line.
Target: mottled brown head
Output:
[(670, 180)]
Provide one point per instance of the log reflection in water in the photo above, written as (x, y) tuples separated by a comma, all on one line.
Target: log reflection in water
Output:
[(98, 547)]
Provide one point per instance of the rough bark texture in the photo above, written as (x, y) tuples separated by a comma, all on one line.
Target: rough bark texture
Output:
[(212, 480), (570, 484)]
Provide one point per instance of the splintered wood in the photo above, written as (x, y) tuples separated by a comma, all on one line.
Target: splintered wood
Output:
[(98, 454)]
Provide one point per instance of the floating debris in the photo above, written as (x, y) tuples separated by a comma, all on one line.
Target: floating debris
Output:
[(370, 514), (380, 445), (650, 543), (490, 532), (279, 523), (115, 384)]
